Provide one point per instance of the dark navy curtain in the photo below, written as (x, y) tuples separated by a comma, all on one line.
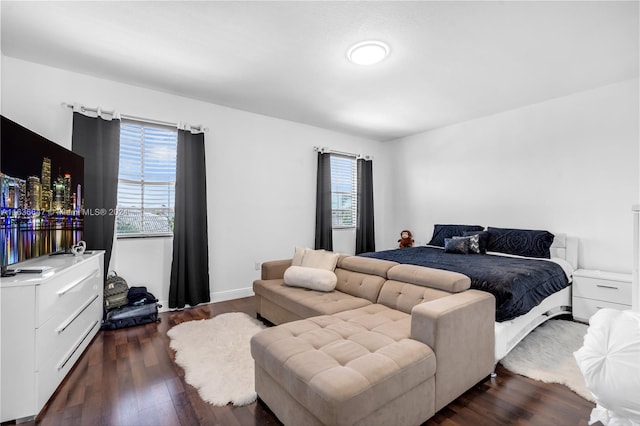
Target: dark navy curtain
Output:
[(189, 283), (98, 141), (324, 228), (365, 235)]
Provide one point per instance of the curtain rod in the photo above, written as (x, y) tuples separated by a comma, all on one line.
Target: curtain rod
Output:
[(326, 150), (114, 114)]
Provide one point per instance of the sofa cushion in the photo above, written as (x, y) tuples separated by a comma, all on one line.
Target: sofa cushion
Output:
[(366, 265), (312, 278), (345, 366), (403, 296), (304, 302), (358, 284), (453, 282)]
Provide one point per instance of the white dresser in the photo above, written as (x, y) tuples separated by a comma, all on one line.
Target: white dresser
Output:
[(594, 290), (46, 320)]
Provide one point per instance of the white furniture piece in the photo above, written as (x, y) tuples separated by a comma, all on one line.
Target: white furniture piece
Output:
[(594, 290), (47, 320)]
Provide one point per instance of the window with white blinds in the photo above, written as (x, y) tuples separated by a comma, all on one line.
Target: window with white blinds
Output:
[(146, 180), (343, 191)]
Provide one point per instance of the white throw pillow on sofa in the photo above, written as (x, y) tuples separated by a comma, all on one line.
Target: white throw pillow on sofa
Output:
[(320, 259), (311, 278), (298, 255), (315, 258)]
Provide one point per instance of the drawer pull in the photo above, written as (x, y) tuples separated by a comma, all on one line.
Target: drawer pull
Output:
[(75, 315), (606, 286), (76, 346), (76, 283)]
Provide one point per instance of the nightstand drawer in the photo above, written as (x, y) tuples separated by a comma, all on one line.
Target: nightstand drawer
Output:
[(601, 289), (583, 309)]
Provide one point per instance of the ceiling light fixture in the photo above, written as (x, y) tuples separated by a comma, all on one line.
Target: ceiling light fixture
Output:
[(368, 52)]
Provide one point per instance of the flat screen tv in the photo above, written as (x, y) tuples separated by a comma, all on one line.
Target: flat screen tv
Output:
[(41, 196)]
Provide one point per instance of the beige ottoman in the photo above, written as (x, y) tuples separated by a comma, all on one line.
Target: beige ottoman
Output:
[(354, 367)]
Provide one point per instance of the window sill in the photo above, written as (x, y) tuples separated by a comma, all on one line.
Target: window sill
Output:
[(134, 236)]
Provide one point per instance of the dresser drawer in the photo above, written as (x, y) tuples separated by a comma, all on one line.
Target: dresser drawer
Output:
[(601, 289), (67, 291), (60, 343), (56, 336), (583, 309)]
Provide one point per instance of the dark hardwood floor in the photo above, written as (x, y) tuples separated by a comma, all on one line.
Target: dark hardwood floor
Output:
[(127, 377)]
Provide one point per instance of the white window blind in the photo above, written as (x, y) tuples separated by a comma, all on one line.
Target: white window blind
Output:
[(343, 191), (146, 180)]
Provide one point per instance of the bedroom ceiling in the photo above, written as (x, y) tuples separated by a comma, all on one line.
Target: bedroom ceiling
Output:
[(448, 62)]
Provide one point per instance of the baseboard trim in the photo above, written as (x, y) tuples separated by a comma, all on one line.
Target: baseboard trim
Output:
[(222, 296), (219, 296), (164, 306)]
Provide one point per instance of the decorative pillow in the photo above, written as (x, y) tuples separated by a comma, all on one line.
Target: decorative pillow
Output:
[(298, 255), (457, 245), (440, 232), (320, 259), (608, 361), (521, 242), (311, 278), (473, 242), (483, 239)]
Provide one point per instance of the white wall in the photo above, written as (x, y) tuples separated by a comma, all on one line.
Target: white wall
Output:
[(261, 172), (567, 165)]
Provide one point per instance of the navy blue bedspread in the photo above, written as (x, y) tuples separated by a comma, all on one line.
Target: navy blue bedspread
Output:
[(517, 284)]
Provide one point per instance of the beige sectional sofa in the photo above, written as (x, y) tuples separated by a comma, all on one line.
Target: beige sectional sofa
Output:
[(392, 344)]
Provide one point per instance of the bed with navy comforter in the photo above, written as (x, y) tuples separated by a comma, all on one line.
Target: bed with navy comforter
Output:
[(518, 284)]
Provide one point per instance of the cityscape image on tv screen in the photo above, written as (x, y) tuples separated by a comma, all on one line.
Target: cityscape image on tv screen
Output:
[(41, 195)]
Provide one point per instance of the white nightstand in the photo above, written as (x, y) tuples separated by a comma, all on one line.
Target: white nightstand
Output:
[(593, 290)]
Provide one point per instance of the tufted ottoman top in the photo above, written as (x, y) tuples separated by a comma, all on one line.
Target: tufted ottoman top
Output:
[(344, 366)]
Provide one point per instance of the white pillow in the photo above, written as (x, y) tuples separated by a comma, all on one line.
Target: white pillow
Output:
[(298, 255), (312, 278), (320, 259), (609, 360)]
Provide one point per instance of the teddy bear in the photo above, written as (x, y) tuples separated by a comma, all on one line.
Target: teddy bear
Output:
[(405, 239)]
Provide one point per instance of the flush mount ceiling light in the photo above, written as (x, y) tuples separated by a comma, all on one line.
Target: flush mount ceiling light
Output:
[(368, 52)]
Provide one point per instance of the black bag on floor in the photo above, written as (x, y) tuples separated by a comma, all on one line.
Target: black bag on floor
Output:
[(142, 309), (140, 296), (130, 315)]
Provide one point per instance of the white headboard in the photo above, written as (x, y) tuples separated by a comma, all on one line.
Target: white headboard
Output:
[(566, 248)]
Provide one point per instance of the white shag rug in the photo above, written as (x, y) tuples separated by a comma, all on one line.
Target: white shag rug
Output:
[(546, 354), (216, 357)]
